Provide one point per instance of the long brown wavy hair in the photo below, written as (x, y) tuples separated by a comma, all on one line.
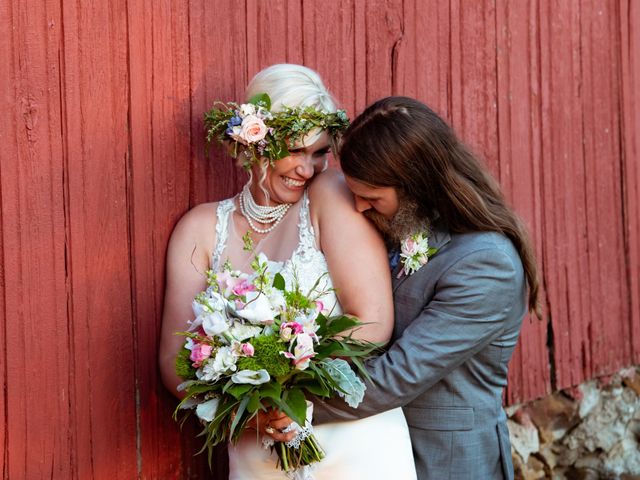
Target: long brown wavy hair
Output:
[(400, 142)]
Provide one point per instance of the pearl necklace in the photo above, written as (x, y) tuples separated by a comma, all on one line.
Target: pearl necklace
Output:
[(260, 213)]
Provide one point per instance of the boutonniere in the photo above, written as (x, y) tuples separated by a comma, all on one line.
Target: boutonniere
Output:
[(415, 252)]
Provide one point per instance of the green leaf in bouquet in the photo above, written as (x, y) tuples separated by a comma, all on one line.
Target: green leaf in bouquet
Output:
[(350, 387), (278, 282), (239, 414), (360, 366), (298, 404), (338, 325), (321, 320), (320, 389), (328, 349), (271, 390), (237, 390), (254, 402), (196, 388), (293, 404)]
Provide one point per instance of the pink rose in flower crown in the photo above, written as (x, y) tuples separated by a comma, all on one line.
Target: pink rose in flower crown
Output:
[(252, 129), (199, 353)]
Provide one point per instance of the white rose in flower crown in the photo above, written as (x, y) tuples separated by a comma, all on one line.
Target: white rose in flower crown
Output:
[(247, 109), (253, 129), (257, 309)]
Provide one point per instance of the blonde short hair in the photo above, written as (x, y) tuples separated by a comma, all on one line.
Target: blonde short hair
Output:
[(292, 86)]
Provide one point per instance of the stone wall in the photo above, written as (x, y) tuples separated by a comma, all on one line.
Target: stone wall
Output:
[(589, 432)]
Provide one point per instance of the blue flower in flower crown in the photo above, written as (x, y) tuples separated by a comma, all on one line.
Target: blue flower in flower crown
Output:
[(235, 121)]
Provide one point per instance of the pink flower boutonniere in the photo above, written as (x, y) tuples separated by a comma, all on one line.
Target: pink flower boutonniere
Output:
[(415, 253)]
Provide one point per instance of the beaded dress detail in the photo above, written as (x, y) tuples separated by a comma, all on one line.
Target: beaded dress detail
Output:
[(304, 266)]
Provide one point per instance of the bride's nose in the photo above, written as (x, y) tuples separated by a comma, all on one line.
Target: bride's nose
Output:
[(305, 167)]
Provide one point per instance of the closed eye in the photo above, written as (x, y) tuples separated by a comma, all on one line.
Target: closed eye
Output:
[(321, 153)]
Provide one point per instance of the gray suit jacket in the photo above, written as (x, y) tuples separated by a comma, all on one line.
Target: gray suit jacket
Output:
[(457, 321)]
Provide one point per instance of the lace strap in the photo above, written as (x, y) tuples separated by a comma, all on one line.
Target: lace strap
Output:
[(305, 228), (223, 214)]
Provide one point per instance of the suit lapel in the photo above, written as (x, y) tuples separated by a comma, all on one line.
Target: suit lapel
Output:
[(438, 238)]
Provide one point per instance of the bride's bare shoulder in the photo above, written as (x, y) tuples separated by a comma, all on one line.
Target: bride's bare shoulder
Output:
[(330, 187), (197, 225)]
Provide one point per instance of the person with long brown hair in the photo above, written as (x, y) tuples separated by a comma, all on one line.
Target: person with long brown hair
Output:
[(464, 275)]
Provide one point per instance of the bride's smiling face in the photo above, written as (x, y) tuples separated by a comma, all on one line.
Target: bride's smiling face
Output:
[(289, 176)]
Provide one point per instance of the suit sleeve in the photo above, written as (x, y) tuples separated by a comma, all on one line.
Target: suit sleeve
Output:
[(470, 308)]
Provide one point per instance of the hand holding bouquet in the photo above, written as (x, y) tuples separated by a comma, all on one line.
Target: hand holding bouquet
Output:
[(256, 344)]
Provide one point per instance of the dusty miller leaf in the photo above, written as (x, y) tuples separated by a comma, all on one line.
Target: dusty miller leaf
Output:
[(351, 387)]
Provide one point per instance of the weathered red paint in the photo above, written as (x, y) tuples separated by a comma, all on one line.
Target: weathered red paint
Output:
[(103, 150)]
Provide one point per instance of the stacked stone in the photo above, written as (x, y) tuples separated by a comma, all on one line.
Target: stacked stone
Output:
[(589, 432)]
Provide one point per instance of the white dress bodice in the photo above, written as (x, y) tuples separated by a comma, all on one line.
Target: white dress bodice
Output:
[(306, 264), (377, 447)]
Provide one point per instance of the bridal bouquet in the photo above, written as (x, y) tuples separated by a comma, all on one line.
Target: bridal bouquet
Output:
[(256, 344)]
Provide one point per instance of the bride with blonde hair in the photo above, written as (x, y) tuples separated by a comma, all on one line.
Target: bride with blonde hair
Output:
[(300, 213)]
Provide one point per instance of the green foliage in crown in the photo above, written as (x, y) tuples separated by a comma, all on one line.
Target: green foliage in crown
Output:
[(254, 132)]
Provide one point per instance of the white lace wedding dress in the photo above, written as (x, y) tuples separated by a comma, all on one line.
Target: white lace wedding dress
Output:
[(378, 447)]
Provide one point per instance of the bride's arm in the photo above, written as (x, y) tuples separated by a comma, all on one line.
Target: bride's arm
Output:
[(356, 256), (187, 261)]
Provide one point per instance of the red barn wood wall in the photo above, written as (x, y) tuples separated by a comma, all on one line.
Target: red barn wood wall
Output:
[(102, 151)]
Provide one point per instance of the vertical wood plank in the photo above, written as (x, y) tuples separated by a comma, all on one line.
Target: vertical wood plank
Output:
[(473, 110), (609, 328), (276, 36), (563, 177), (216, 75), (35, 354), (519, 138), (158, 194), (630, 134), (383, 30), (326, 48), (95, 96), (423, 68)]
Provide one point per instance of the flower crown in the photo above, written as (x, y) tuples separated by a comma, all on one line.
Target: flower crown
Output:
[(262, 133)]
